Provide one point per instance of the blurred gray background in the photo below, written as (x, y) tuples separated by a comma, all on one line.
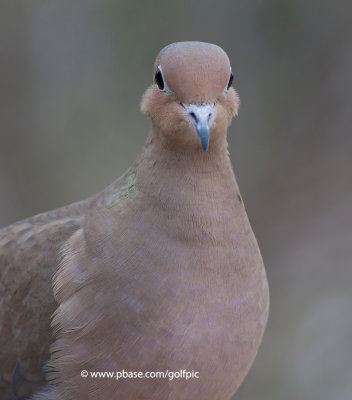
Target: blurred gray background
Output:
[(71, 77)]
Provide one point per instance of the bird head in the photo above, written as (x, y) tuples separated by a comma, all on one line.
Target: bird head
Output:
[(191, 101)]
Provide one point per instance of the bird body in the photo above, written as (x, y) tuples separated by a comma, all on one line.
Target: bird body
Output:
[(161, 271)]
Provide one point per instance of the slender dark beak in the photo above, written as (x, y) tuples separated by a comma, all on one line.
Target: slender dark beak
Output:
[(200, 116)]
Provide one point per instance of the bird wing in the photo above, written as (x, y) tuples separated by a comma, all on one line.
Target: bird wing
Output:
[(29, 251)]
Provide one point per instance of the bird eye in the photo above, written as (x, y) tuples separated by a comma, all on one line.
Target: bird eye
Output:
[(230, 81), (159, 80)]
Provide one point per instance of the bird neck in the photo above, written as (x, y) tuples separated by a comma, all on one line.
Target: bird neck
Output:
[(197, 183)]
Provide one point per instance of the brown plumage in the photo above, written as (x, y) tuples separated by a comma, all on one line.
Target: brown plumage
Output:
[(29, 252), (160, 271)]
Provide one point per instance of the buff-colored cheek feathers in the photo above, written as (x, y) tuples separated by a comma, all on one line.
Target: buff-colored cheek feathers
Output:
[(166, 113), (229, 103)]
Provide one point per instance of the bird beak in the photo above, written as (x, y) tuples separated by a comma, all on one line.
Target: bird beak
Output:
[(200, 116)]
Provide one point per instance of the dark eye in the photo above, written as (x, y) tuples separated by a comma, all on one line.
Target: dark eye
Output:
[(230, 81), (159, 80)]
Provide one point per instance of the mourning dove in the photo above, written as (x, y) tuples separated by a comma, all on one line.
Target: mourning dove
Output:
[(160, 272)]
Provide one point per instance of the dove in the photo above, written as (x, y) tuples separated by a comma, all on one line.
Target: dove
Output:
[(159, 273)]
